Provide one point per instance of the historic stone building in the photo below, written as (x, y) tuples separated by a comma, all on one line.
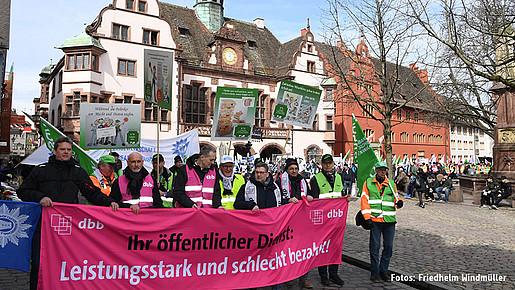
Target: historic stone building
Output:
[(105, 64)]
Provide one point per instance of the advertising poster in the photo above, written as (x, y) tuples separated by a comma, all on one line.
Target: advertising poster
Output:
[(296, 104), (158, 77), (235, 110), (110, 126)]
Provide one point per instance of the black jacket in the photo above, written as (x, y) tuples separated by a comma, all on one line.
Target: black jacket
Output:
[(265, 195), (505, 189), (61, 181), (179, 182), (347, 175), (295, 183), (116, 194)]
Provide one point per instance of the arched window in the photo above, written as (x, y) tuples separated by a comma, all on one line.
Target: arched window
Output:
[(313, 154)]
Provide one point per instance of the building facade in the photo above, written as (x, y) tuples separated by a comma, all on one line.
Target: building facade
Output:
[(105, 64), (470, 144)]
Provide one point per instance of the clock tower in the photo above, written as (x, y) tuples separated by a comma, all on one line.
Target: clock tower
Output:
[(211, 13)]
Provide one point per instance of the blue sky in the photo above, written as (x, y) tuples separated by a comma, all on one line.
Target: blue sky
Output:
[(37, 27)]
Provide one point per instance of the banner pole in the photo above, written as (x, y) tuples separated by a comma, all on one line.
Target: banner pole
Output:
[(157, 144)]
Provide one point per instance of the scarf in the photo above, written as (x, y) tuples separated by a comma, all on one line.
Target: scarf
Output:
[(296, 188), (329, 176), (135, 181), (226, 181)]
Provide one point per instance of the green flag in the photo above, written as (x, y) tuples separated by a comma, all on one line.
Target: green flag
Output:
[(50, 133), (364, 156)]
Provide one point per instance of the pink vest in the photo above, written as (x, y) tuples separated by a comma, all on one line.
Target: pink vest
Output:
[(145, 199), (200, 193)]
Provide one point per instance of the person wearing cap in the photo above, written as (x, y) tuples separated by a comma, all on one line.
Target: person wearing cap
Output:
[(104, 176), (293, 187), (230, 182), (164, 181), (328, 184), (503, 193), (136, 188), (197, 183), (379, 200)]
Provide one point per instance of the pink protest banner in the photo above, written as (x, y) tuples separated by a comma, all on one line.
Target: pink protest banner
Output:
[(90, 247)]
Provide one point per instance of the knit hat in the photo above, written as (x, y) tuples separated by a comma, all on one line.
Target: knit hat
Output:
[(289, 162)]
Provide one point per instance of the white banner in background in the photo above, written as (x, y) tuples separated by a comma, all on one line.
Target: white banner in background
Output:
[(183, 145)]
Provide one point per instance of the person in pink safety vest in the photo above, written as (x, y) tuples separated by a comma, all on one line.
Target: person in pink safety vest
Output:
[(198, 183), (136, 188)]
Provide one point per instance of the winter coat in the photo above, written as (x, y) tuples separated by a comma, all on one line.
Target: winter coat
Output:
[(61, 181), (265, 195)]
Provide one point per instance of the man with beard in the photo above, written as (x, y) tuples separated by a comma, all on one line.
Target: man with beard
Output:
[(328, 184), (293, 188), (136, 188)]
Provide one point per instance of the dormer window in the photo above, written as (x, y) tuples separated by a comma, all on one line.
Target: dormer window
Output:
[(251, 43), (310, 48), (184, 31)]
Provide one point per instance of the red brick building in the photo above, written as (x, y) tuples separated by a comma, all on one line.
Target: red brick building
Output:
[(412, 135)]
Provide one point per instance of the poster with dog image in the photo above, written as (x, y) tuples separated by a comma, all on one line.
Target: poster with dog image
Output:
[(234, 114)]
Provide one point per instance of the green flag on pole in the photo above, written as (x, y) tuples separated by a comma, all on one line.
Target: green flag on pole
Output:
[(50, 133), (364, 156)]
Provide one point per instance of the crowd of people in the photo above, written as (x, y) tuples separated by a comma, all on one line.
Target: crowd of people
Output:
[(201, 183)]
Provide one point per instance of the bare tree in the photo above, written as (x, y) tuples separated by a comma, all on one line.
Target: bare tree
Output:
[(476, 51), (379, 78), (474, 31)]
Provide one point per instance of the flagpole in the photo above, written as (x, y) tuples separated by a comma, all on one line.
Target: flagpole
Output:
[(60, 133), (157, 144)]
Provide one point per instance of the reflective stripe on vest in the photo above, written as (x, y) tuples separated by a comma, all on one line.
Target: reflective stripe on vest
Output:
[(325, 188), (105, 186), (200, 193), (145, 199), (237, 183), (286, 186), (381, 206)]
